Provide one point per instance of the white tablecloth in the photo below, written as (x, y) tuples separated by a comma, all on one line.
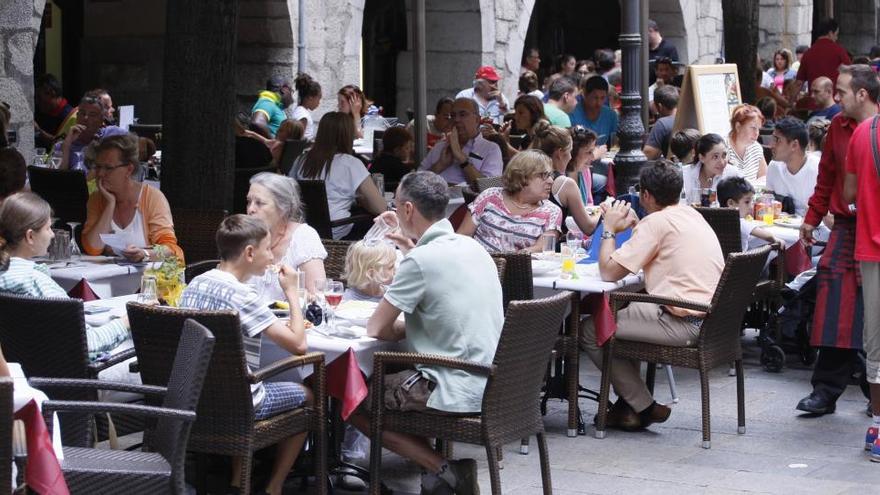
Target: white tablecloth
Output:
[(588, 281), (106, 278)]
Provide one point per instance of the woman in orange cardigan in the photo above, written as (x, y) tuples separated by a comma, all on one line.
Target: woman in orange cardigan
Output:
[(124, 206)]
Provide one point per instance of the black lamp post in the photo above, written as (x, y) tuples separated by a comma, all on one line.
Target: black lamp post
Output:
[(630, 159)]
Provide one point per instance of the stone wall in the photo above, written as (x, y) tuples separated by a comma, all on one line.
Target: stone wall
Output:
[(858, 25), (19, 27), (783, 24)]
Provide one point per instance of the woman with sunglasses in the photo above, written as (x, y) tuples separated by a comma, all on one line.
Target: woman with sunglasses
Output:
[(556, 142), (132, 209), (583, 152), (516, 216)]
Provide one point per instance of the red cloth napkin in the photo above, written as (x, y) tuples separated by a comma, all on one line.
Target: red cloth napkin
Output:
[(82, 290), (610, 187), (602, 317), (796, 259), (43, 473), (346, 382)]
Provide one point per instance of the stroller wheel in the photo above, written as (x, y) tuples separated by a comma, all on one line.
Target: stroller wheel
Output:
[(773, 358)]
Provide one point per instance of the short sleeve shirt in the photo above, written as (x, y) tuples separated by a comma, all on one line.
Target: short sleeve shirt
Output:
[(799, 186), (660, 133), (605, 126), (498, 229), (346, 175), (448, 289), (483, 154), (217, 290), (269, 104), (749, 163), (556, 116), (492, 109), (305, 245), (679, 253), (690, 175), (303, 113), (860, 161)]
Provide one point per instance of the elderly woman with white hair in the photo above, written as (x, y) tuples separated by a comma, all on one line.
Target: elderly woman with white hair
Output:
[(274, 199)]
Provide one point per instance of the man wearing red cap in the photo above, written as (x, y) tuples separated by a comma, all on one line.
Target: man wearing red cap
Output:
[(485, 92)]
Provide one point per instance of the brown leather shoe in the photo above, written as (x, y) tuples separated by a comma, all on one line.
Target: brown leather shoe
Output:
[(623, 416), (656, 413)]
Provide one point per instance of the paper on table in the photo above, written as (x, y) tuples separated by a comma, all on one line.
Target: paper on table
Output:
[(117, 242)]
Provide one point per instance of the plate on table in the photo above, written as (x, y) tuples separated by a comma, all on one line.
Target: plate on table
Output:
[(544, 267), (356, 312), (790, 222)]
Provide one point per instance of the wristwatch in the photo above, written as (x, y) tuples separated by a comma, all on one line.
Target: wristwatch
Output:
[(146, 255), (608, 235)]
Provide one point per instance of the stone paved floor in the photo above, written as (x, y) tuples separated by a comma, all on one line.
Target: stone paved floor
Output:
[(782, 451)]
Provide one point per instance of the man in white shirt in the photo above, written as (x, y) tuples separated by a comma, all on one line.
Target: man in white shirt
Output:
[(792, 172), (492, 103), (464, 155)]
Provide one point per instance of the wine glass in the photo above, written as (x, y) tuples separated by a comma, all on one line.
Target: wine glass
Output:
[(333, 296), (301, 289), (75, 253), (55, 161), (573, 241)]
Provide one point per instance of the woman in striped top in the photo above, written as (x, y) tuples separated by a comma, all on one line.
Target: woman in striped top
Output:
[(744, 150), (26, 232)]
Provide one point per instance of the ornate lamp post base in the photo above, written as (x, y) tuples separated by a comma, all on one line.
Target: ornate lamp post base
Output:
[(630, 159)]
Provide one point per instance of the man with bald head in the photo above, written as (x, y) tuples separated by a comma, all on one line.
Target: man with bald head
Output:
[(822, 91), (464, 155)]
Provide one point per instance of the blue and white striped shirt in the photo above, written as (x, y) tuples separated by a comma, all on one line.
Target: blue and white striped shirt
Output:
[(27, 278), (217, 290)]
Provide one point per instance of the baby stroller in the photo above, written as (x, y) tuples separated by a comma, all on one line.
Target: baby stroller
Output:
[(787, 323)]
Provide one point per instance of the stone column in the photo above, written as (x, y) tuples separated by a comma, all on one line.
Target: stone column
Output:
[(630, 159)]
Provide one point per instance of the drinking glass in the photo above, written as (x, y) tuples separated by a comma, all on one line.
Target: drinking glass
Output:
[(333, 295), (75, 253), (379, 180), (573, 240), (549, 241), (301, 289), (61, 245), (587, 243), (149, 293), (55, 161), (379, 230), (321, 289)]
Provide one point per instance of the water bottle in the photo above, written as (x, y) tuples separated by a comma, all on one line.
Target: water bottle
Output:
[(372, 122)]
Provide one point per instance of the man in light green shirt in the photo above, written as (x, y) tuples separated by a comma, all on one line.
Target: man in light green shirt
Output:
[(447, 286), (561, 100)]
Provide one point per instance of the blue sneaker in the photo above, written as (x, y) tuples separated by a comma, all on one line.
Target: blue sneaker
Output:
[(871, 437), (874, 456)]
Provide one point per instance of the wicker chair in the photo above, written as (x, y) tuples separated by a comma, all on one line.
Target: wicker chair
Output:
[(517, 284), (510, 402), (725, 224), (193, 270), (334, 264), (226, 424), (159, 468), (718, 342), (314, 198), (6, 396), (47, 337), (484, 183), (196, 232)]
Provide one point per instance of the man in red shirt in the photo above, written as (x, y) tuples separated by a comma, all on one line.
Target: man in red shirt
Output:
[(825, 56), (837, 321), (862, 185)]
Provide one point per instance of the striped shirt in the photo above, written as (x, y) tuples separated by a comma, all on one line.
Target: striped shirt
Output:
[(24, 277), (217, 290), (749, 163), (500, 230)]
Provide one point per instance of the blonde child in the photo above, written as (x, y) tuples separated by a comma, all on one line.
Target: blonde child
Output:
[(368, 269)]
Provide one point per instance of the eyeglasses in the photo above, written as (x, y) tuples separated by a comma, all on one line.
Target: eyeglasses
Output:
[(107, 168), (544, 175)]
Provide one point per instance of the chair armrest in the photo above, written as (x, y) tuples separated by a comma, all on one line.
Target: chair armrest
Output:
[(352, 219), (51, 406), (115, 359), (79, 383), (284, 365), (618, 299), (410, 358)]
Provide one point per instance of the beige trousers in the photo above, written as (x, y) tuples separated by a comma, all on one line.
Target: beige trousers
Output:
[(871, 332), (643, 322)]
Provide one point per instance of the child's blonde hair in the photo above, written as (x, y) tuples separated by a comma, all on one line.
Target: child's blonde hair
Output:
[(365, 265)]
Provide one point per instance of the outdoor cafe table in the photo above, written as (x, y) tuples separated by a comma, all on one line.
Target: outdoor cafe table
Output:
[(104, 275)]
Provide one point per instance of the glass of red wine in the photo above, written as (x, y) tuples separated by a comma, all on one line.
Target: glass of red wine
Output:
[(333, 296)]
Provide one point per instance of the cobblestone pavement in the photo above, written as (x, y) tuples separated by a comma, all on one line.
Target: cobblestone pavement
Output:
[(781, 452)]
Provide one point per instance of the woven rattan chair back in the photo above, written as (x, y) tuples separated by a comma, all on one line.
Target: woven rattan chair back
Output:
[(47, 337), (65, 190), (517, 284), (334, 264), (317, 211), (512, 397), (226, 405), (720, 334), (193, 270), (484, 183), (725, 224), (188, 371), (6, 397), (196, 232), (501, 266)]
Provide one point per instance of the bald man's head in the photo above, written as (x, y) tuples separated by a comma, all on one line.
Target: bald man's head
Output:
[(822, 91)]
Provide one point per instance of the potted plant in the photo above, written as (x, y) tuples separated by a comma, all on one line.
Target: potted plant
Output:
[(169, 273)]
